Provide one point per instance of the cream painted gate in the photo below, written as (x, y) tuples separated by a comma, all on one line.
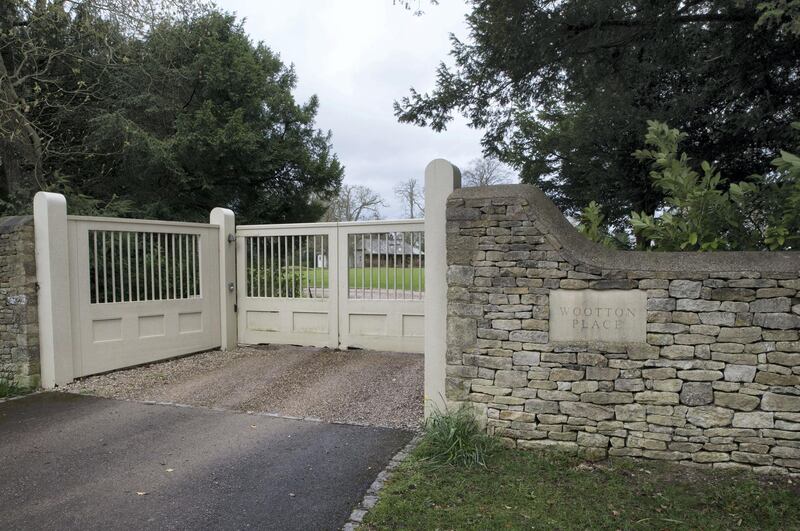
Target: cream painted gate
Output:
[(141, 291), (337, 285)]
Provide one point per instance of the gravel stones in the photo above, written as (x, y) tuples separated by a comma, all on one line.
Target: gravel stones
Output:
[(358, 387)]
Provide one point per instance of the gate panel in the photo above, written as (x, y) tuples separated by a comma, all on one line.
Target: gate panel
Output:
[(381, 302), (141, 291), (286, 278), (336, 285)]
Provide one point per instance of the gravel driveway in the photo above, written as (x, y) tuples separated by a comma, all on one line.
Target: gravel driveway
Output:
[(354, 386)]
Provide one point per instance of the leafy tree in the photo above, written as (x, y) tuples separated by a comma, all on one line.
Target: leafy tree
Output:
[(56, 62), (354, 203), (782, 14), (159, 116), (485, 172), (563, 90), (213, 122)]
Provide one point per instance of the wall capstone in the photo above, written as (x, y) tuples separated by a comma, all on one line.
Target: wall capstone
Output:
[(714, 383)]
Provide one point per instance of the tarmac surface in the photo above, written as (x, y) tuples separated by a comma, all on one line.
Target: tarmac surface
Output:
[(79, 462)]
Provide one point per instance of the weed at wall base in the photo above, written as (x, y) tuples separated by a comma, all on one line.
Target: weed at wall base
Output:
[(454, 437), (10, 388)]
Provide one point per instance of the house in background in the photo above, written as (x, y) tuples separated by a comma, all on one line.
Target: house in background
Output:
[(322, 261), (384, 251)]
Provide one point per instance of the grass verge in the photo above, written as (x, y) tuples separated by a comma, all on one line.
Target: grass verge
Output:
[(532, 490), (9, 389)]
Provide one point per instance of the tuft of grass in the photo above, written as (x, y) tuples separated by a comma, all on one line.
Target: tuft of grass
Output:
[(454, 438), (10, 388)]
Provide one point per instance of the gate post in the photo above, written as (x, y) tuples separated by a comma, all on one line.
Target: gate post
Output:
[(226, 221), (441, 178), (52, 275)]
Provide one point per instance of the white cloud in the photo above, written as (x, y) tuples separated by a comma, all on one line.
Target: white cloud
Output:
[(359, 56)]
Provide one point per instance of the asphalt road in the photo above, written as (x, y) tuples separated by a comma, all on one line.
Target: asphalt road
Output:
[(79, 462)]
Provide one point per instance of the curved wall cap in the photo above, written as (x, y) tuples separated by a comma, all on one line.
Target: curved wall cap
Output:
[(580, 250), (12, 223)]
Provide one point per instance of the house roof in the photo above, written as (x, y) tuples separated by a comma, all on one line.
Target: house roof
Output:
[(384, 246)]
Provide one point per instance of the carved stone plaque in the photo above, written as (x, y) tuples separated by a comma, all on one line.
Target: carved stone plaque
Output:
[(615, 316)]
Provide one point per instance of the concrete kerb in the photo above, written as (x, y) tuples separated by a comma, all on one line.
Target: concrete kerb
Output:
[(373, 493), (225, 410), (17, 397)]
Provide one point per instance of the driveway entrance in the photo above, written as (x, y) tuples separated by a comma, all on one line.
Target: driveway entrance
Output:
[(354, 386), (78, 462)]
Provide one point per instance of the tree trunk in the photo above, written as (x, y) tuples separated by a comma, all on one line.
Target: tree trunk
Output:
[(20, 144), (12, 172)]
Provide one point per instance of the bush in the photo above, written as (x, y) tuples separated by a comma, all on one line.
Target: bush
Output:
[(454, 438), (701, 210)]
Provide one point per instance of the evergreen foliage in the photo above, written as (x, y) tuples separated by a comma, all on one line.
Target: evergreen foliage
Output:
[(701, 211), (564, 88), (165, 120)]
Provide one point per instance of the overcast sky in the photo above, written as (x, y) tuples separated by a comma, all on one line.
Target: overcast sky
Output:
[(359, 56)]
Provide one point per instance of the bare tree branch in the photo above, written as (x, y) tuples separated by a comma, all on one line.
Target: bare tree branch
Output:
[(486, 172), (354, 203), (411, 194)]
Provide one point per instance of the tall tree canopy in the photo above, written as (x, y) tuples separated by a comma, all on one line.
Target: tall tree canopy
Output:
[(564, 89), (167, 120)]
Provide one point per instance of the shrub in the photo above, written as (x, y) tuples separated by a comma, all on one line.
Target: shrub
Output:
[(701, 210), (591, 223), (454, 438)]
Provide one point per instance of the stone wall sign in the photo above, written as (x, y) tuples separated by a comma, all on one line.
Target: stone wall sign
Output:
[(614, 316)]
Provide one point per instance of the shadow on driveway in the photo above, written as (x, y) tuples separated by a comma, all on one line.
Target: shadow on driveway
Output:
[(78, 462), (352, 386)]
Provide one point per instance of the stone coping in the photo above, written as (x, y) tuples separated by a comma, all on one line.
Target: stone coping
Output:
[(580, 250), (12, 223)]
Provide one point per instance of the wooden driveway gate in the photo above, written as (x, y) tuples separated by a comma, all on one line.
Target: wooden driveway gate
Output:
[(141, 291), (338, 285), (115, 293), (118, 292)]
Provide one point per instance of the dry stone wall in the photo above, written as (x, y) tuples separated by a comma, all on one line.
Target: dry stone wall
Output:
[(708, 374), (19, 332)]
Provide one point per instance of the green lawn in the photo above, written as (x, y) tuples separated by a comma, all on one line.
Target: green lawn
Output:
[(529, 490), (385, 278), (360, 278)]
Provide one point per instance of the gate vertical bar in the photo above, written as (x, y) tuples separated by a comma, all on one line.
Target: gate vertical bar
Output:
[(441, 178)]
